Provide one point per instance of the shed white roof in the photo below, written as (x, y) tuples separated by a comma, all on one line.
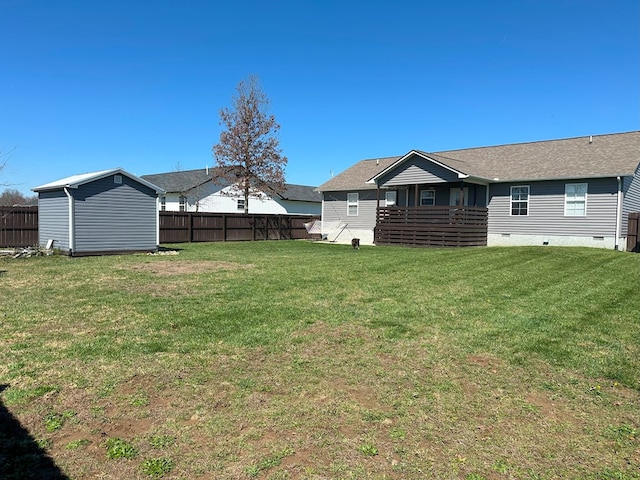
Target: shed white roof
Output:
[(74, 181)]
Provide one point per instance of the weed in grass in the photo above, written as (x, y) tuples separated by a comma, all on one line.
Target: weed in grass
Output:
[(19, 396), (623, 434), (54, 421), (398, 434), (268, 462), (139, 400), (501, 466), (44, 443), (157, 467), (475, 476), (76, 444), (368, 449), (161, 441), (119, 448)]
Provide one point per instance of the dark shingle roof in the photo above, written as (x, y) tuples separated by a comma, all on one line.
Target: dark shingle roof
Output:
[(181, 181), (186, 180), (581, 157), (301, 193)]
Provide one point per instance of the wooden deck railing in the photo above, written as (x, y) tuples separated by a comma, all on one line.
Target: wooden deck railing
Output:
[(431, 226)]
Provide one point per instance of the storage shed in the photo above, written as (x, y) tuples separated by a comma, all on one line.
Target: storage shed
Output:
[(105, 212)]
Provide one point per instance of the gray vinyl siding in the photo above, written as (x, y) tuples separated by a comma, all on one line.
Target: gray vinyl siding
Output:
[(335, 208), (546, 210), (53, 219), (415, 171), (114, 217), (631, 204)]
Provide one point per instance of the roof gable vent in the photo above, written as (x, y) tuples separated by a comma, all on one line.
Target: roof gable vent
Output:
[(117, 179)]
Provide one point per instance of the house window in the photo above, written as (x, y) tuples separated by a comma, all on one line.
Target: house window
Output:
[(163, 203), (352, 204), (520, 200), (575, 199), (427, 198), (390, 197), (182, 203), (240, 204)]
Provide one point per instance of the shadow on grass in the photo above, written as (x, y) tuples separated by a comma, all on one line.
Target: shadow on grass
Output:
[(20, 455)]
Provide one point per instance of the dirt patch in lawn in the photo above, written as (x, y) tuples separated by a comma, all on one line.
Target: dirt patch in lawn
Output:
[(168, 267)]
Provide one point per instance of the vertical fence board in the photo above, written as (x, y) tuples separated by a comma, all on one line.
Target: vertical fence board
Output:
[(18, 226)]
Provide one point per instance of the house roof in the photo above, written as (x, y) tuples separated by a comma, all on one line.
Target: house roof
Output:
[(300, 193), (594, 156), (75, 181), (184, 181)]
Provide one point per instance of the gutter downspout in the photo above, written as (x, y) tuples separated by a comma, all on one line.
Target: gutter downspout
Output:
[(71, 222), (158, 222), (618, 213)]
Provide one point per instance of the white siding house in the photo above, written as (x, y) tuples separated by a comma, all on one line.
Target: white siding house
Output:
[(201, 191)]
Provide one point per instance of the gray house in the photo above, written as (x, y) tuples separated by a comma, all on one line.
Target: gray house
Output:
[(109, 211), (576, 191), (203, 191)]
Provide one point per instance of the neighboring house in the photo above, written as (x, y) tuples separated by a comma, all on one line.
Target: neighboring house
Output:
[(576, 191), (109, 211), (201, 191)]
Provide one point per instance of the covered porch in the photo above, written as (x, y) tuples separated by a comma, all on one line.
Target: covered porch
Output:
[(428, 215)]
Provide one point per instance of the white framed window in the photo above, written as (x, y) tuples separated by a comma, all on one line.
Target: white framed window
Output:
[(457, 194), (182, 203), (390, 198), (575, 199), (520, 200), (427, 197), (163, 203), (352, 204), (240, 204)]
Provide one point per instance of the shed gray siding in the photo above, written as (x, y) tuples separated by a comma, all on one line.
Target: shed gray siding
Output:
[(631, 204), (334, 209), (114, 217), (417, 170), (53, 219), (546, 210)]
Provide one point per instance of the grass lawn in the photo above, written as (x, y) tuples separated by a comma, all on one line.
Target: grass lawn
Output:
[(300, 360)]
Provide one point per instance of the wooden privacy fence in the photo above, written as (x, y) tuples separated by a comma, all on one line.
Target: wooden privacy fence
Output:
[(18, 226), (183, 227), (633, 233), (431, 226)]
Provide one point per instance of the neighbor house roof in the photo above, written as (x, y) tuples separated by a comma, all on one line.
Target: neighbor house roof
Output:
[(184, 181), (75, 181), (607, 155)]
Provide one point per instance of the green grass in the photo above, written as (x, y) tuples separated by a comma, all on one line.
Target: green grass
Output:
[(305, 360)]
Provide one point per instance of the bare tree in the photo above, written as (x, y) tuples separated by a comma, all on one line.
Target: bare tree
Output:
[(10, 197), (248, 153)]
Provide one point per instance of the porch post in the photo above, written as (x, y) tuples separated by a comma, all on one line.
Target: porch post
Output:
[(377, 198), (416, 197)]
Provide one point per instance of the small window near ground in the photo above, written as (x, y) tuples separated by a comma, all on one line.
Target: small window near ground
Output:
[(427, 198), (390, 198), (182, 203), (163, 204), (575, 199), (520, 200), (240, 204), (352, 204)]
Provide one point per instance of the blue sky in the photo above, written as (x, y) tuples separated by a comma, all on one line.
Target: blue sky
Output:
[(138, 84)]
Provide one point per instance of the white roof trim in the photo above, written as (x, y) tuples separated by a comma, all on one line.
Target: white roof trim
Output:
[(404, 158), (75, 181)]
